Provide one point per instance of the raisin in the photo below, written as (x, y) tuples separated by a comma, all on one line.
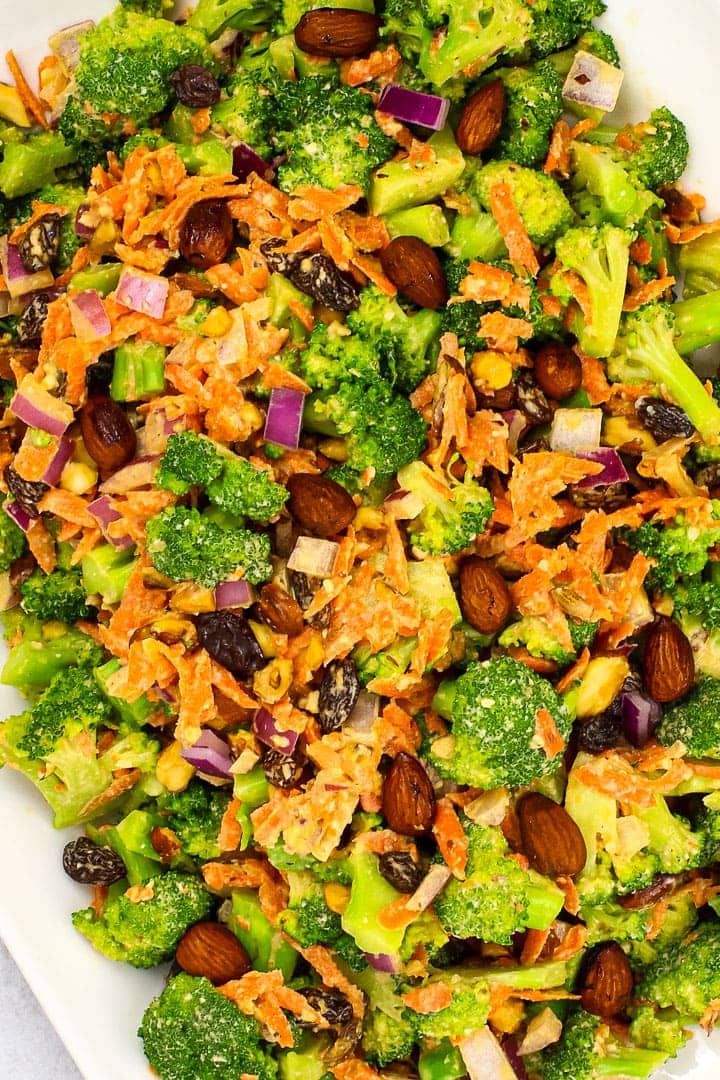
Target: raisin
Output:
[(31, 321), (331, 1004), (98, 376), (609, 497), (206, 234), (304, 592), (281, 770), (400, 870), (26, 493), (601, 732), (86, 862), (663, 419), (40, 244), (195, 86), (316, 275), (339, 690), (532, 400), (229, 640)]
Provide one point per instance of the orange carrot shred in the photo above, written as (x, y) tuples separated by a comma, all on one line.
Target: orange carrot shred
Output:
[(27, 95)]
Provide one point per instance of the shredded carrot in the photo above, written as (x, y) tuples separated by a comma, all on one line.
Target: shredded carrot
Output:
[(535, 942), (379, 63), (651, 290), (513, 230), (30, 100), (558, 157), (547, 734), (451, 838), (428, 999)]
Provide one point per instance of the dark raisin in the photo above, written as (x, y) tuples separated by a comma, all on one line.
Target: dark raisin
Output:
[(339, 691), (610, 497), (32, 319), (86, 862), (40, 244), (195, 86), (601, 732), (663, 419), (709, 475), (317, 275), (230, 641), (21, 569), (532, 400), (281, 770), (279, 261), (533, 443), (331, 1004), (98, 376), (26, 493), (400, 870), (206, 234), (304, 592)]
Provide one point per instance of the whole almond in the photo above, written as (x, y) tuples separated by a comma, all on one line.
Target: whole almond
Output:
[(280, 610), (558, 370), (668, 664), (339, 32), (484, 596), (108, 435), (607, 981), (550, 838), (408, 798), (481, 118), (210, 949), (165, 843), (415, 270), (319, 505)]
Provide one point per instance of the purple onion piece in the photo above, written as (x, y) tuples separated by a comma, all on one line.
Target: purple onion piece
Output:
[(230, 594), (64, 452), (266, 729), (246, 161), (614, 472), (414, 107), (384, 962), (510, 1049), (83, 231), (640, 717), (284, 417), (209, 755), (16, 513)]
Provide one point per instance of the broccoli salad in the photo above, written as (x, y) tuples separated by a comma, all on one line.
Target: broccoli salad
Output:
[(360, 544)]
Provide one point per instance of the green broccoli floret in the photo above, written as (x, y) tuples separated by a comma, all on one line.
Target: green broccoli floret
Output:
[(493, 709), (331, 358), (211, 17), (89, 136), (191, 1032), (386, 664), (588, 1051), (156, 8), (535, 635), (700, 262), (59, 595), (658, 1030), (143, 931), (189, 459), (694, 721), (33, 163), (189, 546), (195, 816), (497, 898), (601, 257), (245, 491), (43, 651), (617, 196), (308, 919), (402, 341), (247, 112), (12, 540), (369, 894), (540, 200), (556, 23), (386, 1038), (454, 512), (687, 976), (660, 149), (697, 600), (329, 133), (72, 703), (677, 550), (533, 105)]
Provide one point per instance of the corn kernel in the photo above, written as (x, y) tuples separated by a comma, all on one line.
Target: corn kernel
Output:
[(369, 517), (172, 770), (337, 896), (217, 324), (601, 684), (78, 478), (618, 430), (272, 682), (335, 449), (265, 638), (491, 370)]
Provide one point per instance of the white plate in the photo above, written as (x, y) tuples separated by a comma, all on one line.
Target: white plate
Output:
[(670, 53)]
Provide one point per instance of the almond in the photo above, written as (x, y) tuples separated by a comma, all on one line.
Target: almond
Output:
[(108, 435), (550, 838), (337, 32), (484, 596), (558, 370), (408, 798), (165, 843), (668, 664), (481, 118), (212, 950), (415, 270), (280, 610), (319, 505), (607, 981)]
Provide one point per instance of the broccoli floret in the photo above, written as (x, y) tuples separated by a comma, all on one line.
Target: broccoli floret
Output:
[(195, 816), (700, 262), (617, 195), (156, 8), (386, 664), (533, 105), (331, 358), (454, 512), (89, 136), (381, 429), (42, 652), (72, 703), (660, 149), (308, 919), (188, 459), (369, 894), (403, 342), (697, 322), (189, 546), (387, 1038), (658, 1030), (401, 184), (588, 1051), (12, 540), (695, 721), (687, 975), (210, 17), (468, 1010), (247, 112), (539, 199), (678, 550), (556, 23), (143, 929), (33, 163), (264, 945), (59, 595), (329, 133), (601, 257), (191, 1032), (535, 635), (493, 708)]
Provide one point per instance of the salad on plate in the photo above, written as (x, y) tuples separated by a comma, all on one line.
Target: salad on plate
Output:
[(360, 545)]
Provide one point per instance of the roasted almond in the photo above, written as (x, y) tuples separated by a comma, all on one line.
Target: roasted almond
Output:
[(339, 32), (165, 843), (319, 505), (607, 982), (211, 950), (108, 435), (558, 370), (408, 798), (280, 610), (415, 270), (668, 664), (484, 596), (550, 838), (482, 118), (657, 890)]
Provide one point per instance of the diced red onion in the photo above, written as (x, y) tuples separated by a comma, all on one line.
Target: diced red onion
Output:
[(404, 505), (19, 282), (210, 755), (37, 413), (62, 455), (614, 472), (284, 417), (365, 711), (484, 1058), (517, 422), (246, 161), (66, 44), (391, 965), (104, 511), (510, 1049), (139, 473), (414, 107), (313, 556), (146, 293), (231, 594), (89, 317), (592, 81), (640, 717), (266, 729), (83, 231), (21, 517), (576, 429), (161, 243)]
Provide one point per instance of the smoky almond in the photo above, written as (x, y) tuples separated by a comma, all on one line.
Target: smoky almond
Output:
[(337, 32), (415, 271), (558, 370), (165, 843), (549, 837), (408, 798), (607, 982), (280, 610), (108, 435), (484, 596), (482, 118), (211, 950), (319, 505), (668, 664)]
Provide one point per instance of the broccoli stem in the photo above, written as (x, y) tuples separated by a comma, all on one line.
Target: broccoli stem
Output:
[(699, 261), (444, 1062), (103, 278), (444, 700), (266, 948), (476, 237), (398, 186), (538, 977), (632, 1063), (34, 662), (139, 370), (697, 322), (427, 223), (544, 901), (106, 570)]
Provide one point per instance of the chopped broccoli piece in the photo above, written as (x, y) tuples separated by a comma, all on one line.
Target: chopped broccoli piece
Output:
[(12, 539), (588, 1051), (617, 196), (535, 635), (331, 358), (195, 816), (399, 184), (247, 112), (266, 947), (686, 977), (189, 546), (33, 163), (695, 721), (468, 1010), (138, 371), (533, 105), (700, 262), (454, 512), (678, 550), (188, 459), (697, 321), (658, 1030), (72, 703), (369, 894), (403, 342), (243, 490), (106, 570), (70, 196), (43, 651), (210, 17), (388, 1038), (592, 41), (59, 595), (556, 23), (660, 149)]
